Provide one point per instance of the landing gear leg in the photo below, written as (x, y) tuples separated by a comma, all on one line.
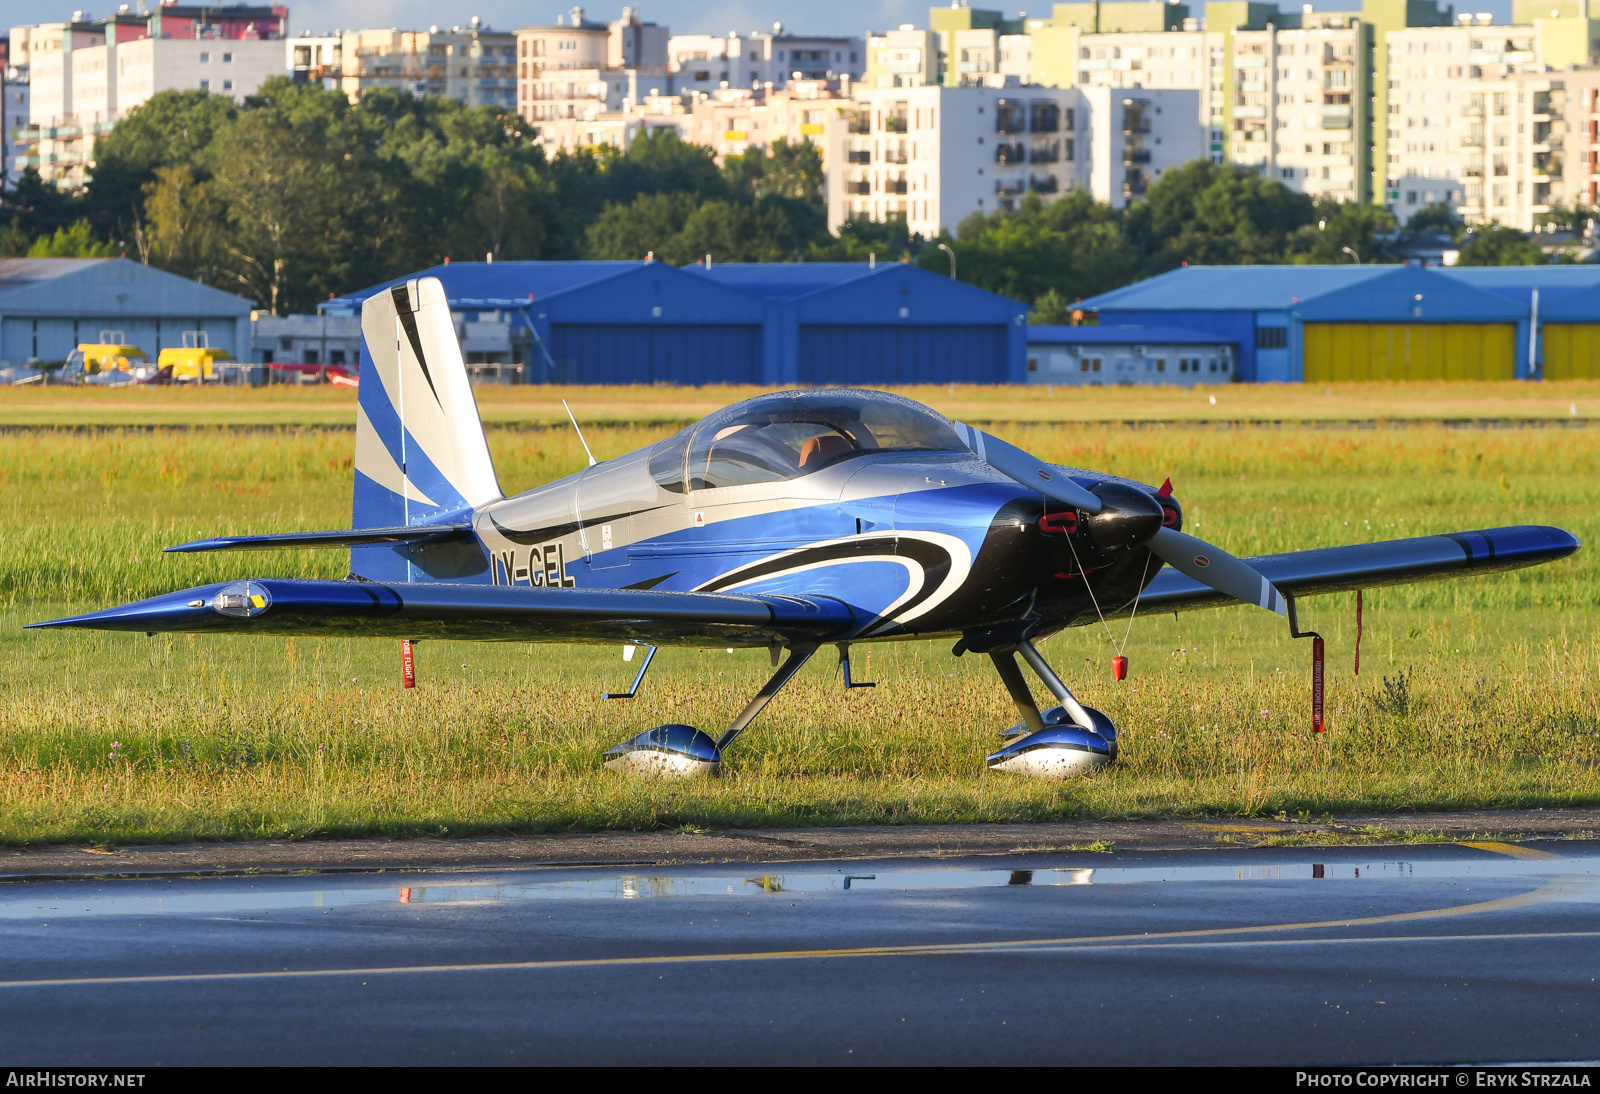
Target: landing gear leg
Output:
[(798, 656), (680, 750), (1067, 740)]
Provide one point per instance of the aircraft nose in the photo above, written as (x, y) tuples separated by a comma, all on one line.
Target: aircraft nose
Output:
[(1130, 518)]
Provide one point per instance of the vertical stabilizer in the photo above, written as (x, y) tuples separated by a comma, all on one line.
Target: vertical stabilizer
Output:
[(420, 449)]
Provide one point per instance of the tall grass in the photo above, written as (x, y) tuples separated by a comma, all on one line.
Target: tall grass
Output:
[(1490, 694)]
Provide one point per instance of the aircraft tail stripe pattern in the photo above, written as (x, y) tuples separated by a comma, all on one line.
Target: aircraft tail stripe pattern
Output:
[(419, 439)]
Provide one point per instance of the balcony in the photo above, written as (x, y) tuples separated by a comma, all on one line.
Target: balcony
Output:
[(860, 155), (1131, 156), (1044, 117), (894, 123), (859, 124), (858, 186), (894, 186), (1010, 116), (1007, 155), (894, 155), (1009, 188), (1044, 184), (1049, 153)]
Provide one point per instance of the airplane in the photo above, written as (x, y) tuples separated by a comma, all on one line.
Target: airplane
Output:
[(786, 522)]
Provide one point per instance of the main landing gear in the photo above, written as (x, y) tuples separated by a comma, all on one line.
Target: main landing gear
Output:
[(684, 751), (1063, 741)]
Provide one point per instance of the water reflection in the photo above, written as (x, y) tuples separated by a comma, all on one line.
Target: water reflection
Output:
[(231, 895)]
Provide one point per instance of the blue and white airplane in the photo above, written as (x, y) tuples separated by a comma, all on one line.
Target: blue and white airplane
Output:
[(788, 522)]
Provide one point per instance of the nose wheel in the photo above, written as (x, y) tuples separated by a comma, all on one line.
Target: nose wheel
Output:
[(1061, 742)]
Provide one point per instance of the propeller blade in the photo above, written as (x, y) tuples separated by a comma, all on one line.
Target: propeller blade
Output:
[(1035, 474), (1213, 567)]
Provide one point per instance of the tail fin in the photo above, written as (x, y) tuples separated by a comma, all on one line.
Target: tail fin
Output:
[(420, 449)]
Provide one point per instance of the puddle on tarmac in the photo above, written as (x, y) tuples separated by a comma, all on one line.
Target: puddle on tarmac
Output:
[(225, 895)]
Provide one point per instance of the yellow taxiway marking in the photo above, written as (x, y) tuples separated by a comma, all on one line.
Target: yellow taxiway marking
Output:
[(1268, 829), (1512, 849), (1556, 889)]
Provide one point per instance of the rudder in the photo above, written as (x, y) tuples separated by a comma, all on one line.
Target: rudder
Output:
[(420, 449)]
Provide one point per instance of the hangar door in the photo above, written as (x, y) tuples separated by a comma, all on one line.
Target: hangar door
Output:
[(648, 353), (1409, 351), (863, 354), (1571, 351)]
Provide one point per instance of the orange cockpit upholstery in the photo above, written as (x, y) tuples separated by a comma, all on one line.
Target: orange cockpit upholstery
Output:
[(819, 450)]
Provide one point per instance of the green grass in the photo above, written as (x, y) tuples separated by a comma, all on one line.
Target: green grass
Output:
[(110, 738)]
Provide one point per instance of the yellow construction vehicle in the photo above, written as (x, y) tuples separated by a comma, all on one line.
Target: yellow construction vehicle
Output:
[(195, 362)]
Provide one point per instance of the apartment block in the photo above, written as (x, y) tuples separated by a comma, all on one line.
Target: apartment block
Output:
[(906, 57), (734, 121), (13, 117), (579, 69), (1581, 162), (316, 59), (705, 62), (471, 64), (83, 76), (618, 128), (934, 155)]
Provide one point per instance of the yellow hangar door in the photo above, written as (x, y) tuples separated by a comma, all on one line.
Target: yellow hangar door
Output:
[(1409, 351), (1571, 351)]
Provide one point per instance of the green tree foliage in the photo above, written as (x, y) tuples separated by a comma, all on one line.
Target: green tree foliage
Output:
[(76, 241), (863, 240), (1345, 232), (1493, 245), (1437, 218)]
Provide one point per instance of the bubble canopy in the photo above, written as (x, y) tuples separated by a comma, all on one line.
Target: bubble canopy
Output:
[(773, 438)]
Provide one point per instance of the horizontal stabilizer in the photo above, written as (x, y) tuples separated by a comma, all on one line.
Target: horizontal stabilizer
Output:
[(505, 613), (1370, 565), (355, 537)]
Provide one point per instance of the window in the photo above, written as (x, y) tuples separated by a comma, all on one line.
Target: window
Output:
[(227, 85), (205, 85), (776, 437), (311, 356), (1272, 338), (227, 58), (205, 58)]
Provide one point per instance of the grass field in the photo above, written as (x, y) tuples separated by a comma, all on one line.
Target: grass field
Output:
[(536, 406), (1490, 696)]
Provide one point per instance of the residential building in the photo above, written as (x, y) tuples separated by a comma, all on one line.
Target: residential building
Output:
[(906, 57), (316, 59), (704, 62), (1581, 162), (616, 127), (580, 69), (736, 120), (471, 64), (935, 155), (83, 76), (14, 115)]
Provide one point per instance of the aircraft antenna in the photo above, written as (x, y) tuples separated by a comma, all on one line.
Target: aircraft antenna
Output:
[(579, 432)]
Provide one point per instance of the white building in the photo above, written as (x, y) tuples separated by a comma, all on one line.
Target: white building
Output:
[(471, 64), (704, 62), (14, 115), (316, 59), (579, 69), (935, 155)]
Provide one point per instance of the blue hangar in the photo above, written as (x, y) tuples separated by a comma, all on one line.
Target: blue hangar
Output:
[(770, 324), (1323, 323)]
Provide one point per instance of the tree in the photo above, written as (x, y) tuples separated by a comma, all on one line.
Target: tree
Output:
[(1437, 218), (76, 241), (858, 240), (1496, 245), (1051, 309), (1203, 213), (1345, 227), (1074, 246), (183, 222), (650, 224)]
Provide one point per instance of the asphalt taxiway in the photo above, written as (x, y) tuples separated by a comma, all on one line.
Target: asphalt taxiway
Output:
[(1442, 953)]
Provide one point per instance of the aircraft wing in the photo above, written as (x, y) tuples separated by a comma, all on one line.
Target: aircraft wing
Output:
[(1369, 565), (479, 613)]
